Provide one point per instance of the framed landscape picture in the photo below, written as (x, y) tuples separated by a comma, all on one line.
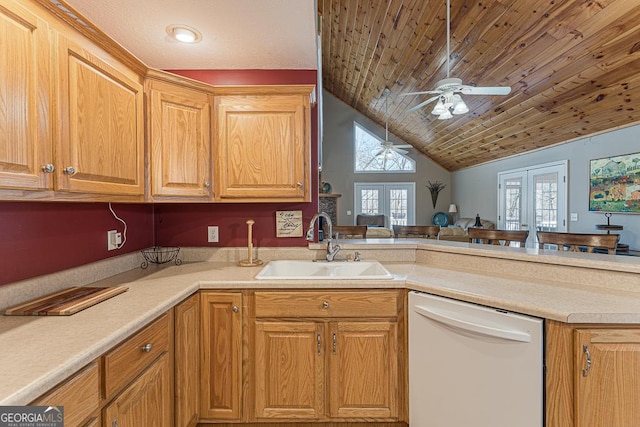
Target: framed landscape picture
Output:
[(614, 184)]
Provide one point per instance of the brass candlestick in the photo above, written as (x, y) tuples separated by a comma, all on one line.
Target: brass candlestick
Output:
[(249, 262)]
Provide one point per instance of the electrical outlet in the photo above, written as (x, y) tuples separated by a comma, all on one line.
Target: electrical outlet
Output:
[(112, 239), (212, 234), (574, 216)]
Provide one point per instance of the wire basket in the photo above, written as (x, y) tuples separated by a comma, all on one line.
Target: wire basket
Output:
[(160, 255)]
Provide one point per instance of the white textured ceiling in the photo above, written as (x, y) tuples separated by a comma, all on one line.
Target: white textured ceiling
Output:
[(236, 34)]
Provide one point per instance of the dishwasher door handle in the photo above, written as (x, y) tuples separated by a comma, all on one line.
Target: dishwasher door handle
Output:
[(472, 326)]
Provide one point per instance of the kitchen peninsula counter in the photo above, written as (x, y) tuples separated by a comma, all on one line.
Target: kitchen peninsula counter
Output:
[(36, 353)]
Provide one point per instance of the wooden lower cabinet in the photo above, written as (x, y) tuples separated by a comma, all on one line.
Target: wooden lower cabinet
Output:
[(289, 366), (221, 356), (187, 361), (363, 370), (79, 395), (592, 375), (146, 401), (317, 367)]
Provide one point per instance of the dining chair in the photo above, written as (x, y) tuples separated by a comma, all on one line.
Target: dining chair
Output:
[(497, 237), (579, 242), (424, 231), (350, 231), (376, 220)]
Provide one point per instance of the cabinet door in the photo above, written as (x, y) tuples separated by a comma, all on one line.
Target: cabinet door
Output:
[(187, 362), (289, 370), (179, 133), (363, 369), (607, 390), (146, 402), (221, 384), (262, 148), (24, 99), (101, 134)]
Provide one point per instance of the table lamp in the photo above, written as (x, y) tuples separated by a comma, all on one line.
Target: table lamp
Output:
[(453, 210)]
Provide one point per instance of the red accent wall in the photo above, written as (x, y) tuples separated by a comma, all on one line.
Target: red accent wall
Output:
[(186, 224), (39, 238), (44, 237)]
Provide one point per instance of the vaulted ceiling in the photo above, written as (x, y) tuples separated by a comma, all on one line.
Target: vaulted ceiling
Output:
[(573, 66)]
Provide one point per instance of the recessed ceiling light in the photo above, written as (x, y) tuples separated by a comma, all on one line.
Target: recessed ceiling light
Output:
[(184, 33)]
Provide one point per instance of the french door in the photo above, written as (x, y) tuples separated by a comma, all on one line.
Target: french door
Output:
[(395, 200), (533, 199)]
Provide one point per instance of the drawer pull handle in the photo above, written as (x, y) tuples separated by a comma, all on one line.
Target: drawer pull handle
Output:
[(235, 309), (325, 304), (147, 348)]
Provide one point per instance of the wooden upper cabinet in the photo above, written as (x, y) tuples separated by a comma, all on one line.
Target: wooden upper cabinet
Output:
[(606, 377), (262, 148), (179, 123), (25, 139), (100, 134)]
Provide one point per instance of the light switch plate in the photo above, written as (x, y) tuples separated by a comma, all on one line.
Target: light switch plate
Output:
[(212, 234)]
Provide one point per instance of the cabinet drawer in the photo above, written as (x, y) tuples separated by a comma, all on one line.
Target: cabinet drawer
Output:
[(80, 395), (326, 304), (127, 360)]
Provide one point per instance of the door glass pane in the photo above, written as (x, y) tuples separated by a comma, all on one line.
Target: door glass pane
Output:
[(370, 202), (398, 199), (513, 203), (546, 201)]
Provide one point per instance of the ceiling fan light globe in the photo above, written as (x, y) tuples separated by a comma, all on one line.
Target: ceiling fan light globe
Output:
[(460, 108), (389, 154), (445, 116), (439, 108)]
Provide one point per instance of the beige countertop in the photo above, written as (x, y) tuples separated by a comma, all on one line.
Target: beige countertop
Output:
[(36, 353)]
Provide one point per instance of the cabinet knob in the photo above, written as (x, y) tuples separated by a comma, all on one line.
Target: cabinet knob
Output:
[(114, 423), (235, 309), (325, 304), (147, 348), (300, 185), (69, 170), (48, 168), (207, 185)]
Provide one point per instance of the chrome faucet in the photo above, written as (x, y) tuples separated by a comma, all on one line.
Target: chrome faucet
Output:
[(332, 249)]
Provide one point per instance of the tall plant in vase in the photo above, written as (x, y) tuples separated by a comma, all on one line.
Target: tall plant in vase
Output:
[(435, 188)]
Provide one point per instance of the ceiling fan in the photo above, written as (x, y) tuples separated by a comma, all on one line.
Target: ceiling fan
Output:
[(387, 148), (447, 92)]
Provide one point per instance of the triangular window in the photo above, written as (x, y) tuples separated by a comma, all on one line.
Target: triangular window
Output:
[(372, 156)]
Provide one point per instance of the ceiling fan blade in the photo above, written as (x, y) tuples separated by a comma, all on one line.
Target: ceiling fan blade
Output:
[(485, 90), (403, 146), (382, 150), (422, 104), (419, 93), (399, 150)]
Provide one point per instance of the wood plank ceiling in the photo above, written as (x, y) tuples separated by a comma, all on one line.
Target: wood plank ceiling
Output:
[(573, 65)]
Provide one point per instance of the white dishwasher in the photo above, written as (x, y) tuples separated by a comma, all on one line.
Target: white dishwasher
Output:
[(471, 365)]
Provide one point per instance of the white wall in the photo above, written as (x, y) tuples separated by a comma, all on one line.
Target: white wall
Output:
[(475, 189), (338, 161)]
